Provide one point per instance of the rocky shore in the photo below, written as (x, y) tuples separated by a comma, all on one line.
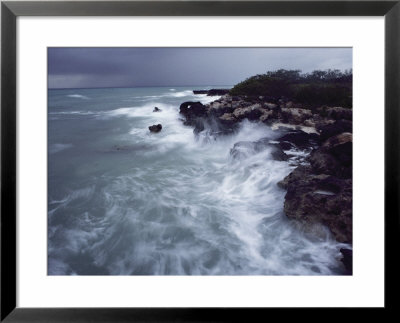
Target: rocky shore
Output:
[(212, 92), (319, 189)]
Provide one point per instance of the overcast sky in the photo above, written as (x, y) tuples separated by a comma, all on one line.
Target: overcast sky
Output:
[(129, 67)]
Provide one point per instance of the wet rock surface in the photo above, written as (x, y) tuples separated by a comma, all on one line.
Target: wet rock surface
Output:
[(322, 198), (192, 110), (322, 191), (299, 139), (245, 149)]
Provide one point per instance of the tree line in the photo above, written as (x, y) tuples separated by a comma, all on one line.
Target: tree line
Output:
[(320, 87)]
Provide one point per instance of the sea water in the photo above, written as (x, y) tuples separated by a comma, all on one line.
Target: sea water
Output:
[(124, 201)]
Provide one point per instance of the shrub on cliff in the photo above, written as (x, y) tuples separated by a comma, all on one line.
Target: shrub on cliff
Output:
[(330, 87), (315, 94), (262, 85)]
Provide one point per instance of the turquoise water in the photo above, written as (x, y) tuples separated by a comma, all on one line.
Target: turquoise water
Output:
[(124, 201)]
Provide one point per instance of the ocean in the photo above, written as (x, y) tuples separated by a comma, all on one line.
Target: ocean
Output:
[(124, 201)]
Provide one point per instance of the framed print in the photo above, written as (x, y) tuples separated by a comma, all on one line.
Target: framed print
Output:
[(194, 160)]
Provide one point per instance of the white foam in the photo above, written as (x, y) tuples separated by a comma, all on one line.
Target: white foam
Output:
[(180, 94), (278, 125), (78, 96), (322, 192), (74, 112)]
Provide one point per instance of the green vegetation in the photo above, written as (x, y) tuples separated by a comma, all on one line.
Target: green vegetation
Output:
[(330, 87)]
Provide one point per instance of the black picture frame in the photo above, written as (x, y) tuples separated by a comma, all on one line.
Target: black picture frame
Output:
[(10, 10)]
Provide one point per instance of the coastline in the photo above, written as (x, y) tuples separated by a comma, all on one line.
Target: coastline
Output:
[(319, 189)]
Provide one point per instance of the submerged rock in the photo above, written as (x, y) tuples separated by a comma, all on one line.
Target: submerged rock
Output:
[(278, 154), (244, 149), (155, 128), (211, 125)]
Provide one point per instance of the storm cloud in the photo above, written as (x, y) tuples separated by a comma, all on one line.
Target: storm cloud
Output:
[(171, 66)]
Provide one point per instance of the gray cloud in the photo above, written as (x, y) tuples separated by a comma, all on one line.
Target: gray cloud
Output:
[(129, 67)]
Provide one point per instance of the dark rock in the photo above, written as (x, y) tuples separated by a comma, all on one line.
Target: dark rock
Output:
[(298, 138), (156, 109), (344, 154), (341, 147), (297, 174), (347, 260), (321, 122), (338, 140), (193, 109), (334, 157), (339, 126), (251, 112), (323, 162), (321, 199), (278, 154), (336, 113), (340, 113), (285, 145), (212, 92), (155, 128)]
